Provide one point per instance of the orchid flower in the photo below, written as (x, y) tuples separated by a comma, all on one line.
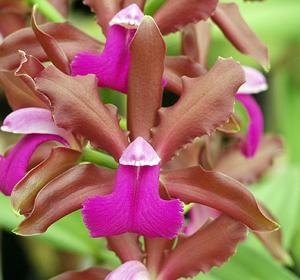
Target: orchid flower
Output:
[(135, 205), (112, 65), (128, 200), (38, 126), (255, 83)]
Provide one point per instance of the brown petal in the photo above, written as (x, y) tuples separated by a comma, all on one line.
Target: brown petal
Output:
[(218, 191), (147, 52), (178, 66), (206, 103), (93, 273), (19, 86), (211, 246), (51, 47), (10, 22), (274, 243), (60, 160), (126, 246), (187, 157), (104, 10), (65, 194), (249, 170), (156, 249), (175, 14), (70, 39), (140, 3), (196, 41), (234, 27), (77, 107)]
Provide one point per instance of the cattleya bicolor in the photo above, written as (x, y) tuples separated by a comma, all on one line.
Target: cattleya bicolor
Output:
[(143, 197)]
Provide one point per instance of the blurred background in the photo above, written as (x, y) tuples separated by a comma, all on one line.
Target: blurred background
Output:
[(67, 246)]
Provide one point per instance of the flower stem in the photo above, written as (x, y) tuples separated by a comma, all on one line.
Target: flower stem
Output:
[(47, 10), (152, 6), (99, 158)]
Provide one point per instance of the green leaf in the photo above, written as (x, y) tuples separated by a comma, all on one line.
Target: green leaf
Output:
[(280, 192), (248, 264), (67, 234)]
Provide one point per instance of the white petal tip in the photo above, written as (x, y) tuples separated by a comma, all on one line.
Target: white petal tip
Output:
[(139, 153), (129, 17)]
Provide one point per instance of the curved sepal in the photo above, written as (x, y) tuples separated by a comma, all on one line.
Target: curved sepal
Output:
[(65, 194), (70, 39), (218, 191), (234, 27), (60, 160), (13, 167)]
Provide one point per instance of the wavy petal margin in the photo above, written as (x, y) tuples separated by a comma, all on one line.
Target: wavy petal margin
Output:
[(211, 246), (76, 107), (206, 103), (175, 14)]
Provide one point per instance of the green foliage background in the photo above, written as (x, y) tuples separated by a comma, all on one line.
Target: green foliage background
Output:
[(277, 23)]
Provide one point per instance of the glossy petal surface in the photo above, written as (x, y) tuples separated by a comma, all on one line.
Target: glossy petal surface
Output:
[(139, 153), (147, 52), (32, 120), (130, 17), (14, 166), (250, 144), (65, 194), (255, 81), (219, 191), (132, 270)]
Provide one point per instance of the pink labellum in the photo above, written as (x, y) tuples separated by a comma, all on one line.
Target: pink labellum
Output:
[(33, 121), (130, 17), (14, 166), (250, 144), (199, 215), (139, 153), (135, 205), (112, 65), (255, 81), (132, 270)]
